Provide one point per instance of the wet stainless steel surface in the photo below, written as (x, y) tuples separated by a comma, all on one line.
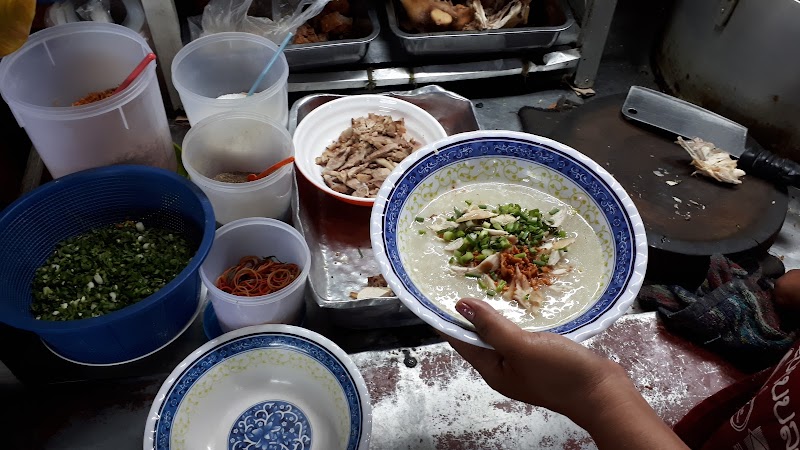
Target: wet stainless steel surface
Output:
[(338, 233), (423, 397), (370, 78), (444, 404)]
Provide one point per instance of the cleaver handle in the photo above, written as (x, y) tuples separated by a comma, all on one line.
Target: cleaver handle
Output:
[(769, 166)]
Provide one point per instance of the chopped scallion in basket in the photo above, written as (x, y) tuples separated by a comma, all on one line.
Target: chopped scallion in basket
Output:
[(107, 269)]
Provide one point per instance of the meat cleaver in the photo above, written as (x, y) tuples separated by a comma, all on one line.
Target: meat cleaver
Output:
[(685, 119)]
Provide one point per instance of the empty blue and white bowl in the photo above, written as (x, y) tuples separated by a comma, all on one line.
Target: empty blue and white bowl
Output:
[(521, 159), (259, 388)]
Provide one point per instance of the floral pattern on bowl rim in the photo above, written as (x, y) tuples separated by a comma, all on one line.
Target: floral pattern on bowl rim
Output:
[(419, 178), (161, 420)]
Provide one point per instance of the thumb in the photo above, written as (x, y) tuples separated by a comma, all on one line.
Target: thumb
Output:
[(491, 326)]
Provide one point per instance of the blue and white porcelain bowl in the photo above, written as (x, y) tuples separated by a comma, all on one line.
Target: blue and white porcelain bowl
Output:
[(520, 159), (262, 388)]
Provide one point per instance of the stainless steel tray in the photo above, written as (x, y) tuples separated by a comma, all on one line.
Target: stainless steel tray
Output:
[(344, 51), (556, 17), (338, 233)]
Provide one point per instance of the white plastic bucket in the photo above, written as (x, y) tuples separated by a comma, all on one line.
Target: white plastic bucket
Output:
[(229, 63), (60, 65), (240, 142), (258, 237)]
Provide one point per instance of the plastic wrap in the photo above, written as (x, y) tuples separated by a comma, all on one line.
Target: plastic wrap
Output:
[(231, 15)]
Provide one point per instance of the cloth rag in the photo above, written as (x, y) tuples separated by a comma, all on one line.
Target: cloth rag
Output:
[(732, 313)]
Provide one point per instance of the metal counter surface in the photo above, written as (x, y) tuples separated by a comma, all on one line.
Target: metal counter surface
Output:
[(424, 397)]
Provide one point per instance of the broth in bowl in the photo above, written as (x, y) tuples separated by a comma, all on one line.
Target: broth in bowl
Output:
[(536, 260)]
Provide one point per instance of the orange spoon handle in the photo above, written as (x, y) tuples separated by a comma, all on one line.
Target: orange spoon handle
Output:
[(139, 69), (271, 170)]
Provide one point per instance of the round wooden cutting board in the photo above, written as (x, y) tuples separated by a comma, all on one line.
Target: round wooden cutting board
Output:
[(696, 216)]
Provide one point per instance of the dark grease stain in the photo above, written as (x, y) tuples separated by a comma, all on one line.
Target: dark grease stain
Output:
[(409, 360), (382, 380)]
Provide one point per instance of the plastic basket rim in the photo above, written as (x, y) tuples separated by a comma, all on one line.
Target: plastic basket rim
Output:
[(27, 200)]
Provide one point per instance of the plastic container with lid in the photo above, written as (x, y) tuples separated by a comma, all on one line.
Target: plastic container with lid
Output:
[(229, 63), (240, 142), (58, 66), (258, 237)]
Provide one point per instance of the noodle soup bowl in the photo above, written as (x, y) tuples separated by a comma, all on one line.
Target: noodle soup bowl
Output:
[(511, 164), (259, 237)]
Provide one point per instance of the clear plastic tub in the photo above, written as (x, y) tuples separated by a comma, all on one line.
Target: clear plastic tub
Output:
[(229, 63), (258, 237), (60, 65), (241, 142)]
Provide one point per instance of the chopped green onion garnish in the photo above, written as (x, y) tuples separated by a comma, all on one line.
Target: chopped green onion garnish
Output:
[(420, 219), (482, 206), (519, 255), (554, 211), (421, 231), (491, 293), (106, 269), (448, 236), (465, 258), (539, 263)]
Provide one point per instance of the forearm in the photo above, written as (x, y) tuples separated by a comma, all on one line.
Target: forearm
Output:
[(618, 417)]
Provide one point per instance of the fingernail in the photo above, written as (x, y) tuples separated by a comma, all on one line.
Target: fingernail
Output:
[(465, 311)]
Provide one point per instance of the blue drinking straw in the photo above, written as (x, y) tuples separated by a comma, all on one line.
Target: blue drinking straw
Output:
[(270, 63)]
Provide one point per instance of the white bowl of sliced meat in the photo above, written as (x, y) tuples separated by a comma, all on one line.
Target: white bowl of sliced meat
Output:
[(348, 146)]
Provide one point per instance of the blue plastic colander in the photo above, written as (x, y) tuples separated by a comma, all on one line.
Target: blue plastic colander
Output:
[(33, 225)]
